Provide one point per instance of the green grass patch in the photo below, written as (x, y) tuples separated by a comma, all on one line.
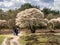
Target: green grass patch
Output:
[(22, 39), (45, 39), (1, 39)]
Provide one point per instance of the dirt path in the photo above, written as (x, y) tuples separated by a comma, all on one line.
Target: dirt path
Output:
[(4, 42), (13, 40)]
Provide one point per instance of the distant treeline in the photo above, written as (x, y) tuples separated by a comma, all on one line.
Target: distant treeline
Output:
[(11, 14)]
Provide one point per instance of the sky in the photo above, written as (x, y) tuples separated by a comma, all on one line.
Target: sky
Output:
[(12, 4)]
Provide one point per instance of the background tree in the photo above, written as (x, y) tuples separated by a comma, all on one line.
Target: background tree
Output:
[(47, 11), (54, 12), (11, 14), (27, 6), (2, 14)]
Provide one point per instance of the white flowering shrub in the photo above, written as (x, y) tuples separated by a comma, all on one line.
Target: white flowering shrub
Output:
[(2, 21), (55, 22), (29, 17), (3, 24), (43, 24), (7, 24)]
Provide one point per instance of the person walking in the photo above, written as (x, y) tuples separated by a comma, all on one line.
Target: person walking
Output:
[(16, 31)]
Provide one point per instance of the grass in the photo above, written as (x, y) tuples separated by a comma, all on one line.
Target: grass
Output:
[(5, 36), (40, 39), (1, 39), (21, 40), (43, 39)]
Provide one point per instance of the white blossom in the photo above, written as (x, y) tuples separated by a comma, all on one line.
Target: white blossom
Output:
[(2, 21), (55, 20), (29, 16)]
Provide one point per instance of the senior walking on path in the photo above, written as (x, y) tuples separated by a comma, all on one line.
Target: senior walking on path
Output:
[(16, 30)]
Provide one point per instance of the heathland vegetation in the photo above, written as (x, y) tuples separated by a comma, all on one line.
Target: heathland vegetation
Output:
[(32, 18)]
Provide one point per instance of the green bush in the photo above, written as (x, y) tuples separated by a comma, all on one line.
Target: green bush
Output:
[(57, 26)]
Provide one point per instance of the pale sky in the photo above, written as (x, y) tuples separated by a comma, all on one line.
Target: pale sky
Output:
[(12, 4)]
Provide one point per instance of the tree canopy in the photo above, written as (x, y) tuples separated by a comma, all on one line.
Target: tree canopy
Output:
[(48, 11), (27, 6)]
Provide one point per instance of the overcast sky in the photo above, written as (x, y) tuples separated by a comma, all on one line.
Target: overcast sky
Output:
[(12, 4)]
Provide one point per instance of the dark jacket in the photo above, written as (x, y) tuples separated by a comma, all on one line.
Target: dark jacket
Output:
[(16, 30)]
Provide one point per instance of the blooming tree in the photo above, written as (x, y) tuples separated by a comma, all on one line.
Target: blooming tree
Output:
[(29, 18)]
